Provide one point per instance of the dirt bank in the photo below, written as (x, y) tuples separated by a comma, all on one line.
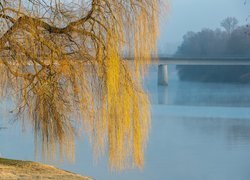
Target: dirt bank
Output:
[(15, 169)]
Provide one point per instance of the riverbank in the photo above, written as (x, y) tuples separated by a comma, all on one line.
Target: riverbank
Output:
[(16, 169)]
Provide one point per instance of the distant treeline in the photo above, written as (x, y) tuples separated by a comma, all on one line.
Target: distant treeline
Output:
[(232, 41)]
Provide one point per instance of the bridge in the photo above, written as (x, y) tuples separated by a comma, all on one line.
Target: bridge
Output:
[(164, 61)]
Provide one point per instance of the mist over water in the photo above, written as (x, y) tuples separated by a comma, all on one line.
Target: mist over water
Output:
[(199, 131), (191, 93)]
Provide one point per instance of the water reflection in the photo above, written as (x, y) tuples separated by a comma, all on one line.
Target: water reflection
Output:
[(199, 132), (207, 94), (195, 93), (234, 131), (163, 95)]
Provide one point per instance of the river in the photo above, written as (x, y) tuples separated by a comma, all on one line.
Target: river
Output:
[(200, 131)]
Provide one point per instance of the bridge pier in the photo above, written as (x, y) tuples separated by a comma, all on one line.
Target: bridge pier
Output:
[(163, 74)]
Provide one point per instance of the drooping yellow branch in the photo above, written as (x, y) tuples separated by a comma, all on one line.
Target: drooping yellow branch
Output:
[(69, 72)]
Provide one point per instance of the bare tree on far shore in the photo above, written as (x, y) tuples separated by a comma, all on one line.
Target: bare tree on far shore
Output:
[(229, 24)]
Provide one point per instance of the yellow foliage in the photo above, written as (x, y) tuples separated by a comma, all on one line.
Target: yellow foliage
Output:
[(63, 64)]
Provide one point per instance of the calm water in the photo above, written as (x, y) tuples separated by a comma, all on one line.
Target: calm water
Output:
[(199, 132)]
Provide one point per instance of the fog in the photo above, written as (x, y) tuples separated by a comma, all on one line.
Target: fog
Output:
[(200, 121), (193, 15)]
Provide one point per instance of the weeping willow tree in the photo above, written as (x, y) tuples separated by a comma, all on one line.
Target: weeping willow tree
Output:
[(62, 64)]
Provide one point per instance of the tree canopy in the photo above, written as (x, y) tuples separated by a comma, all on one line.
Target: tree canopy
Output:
[(231, 42), (62, 63), (230, 24)]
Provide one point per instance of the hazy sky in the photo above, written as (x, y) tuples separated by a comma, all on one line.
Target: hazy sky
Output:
[(193, 15)]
